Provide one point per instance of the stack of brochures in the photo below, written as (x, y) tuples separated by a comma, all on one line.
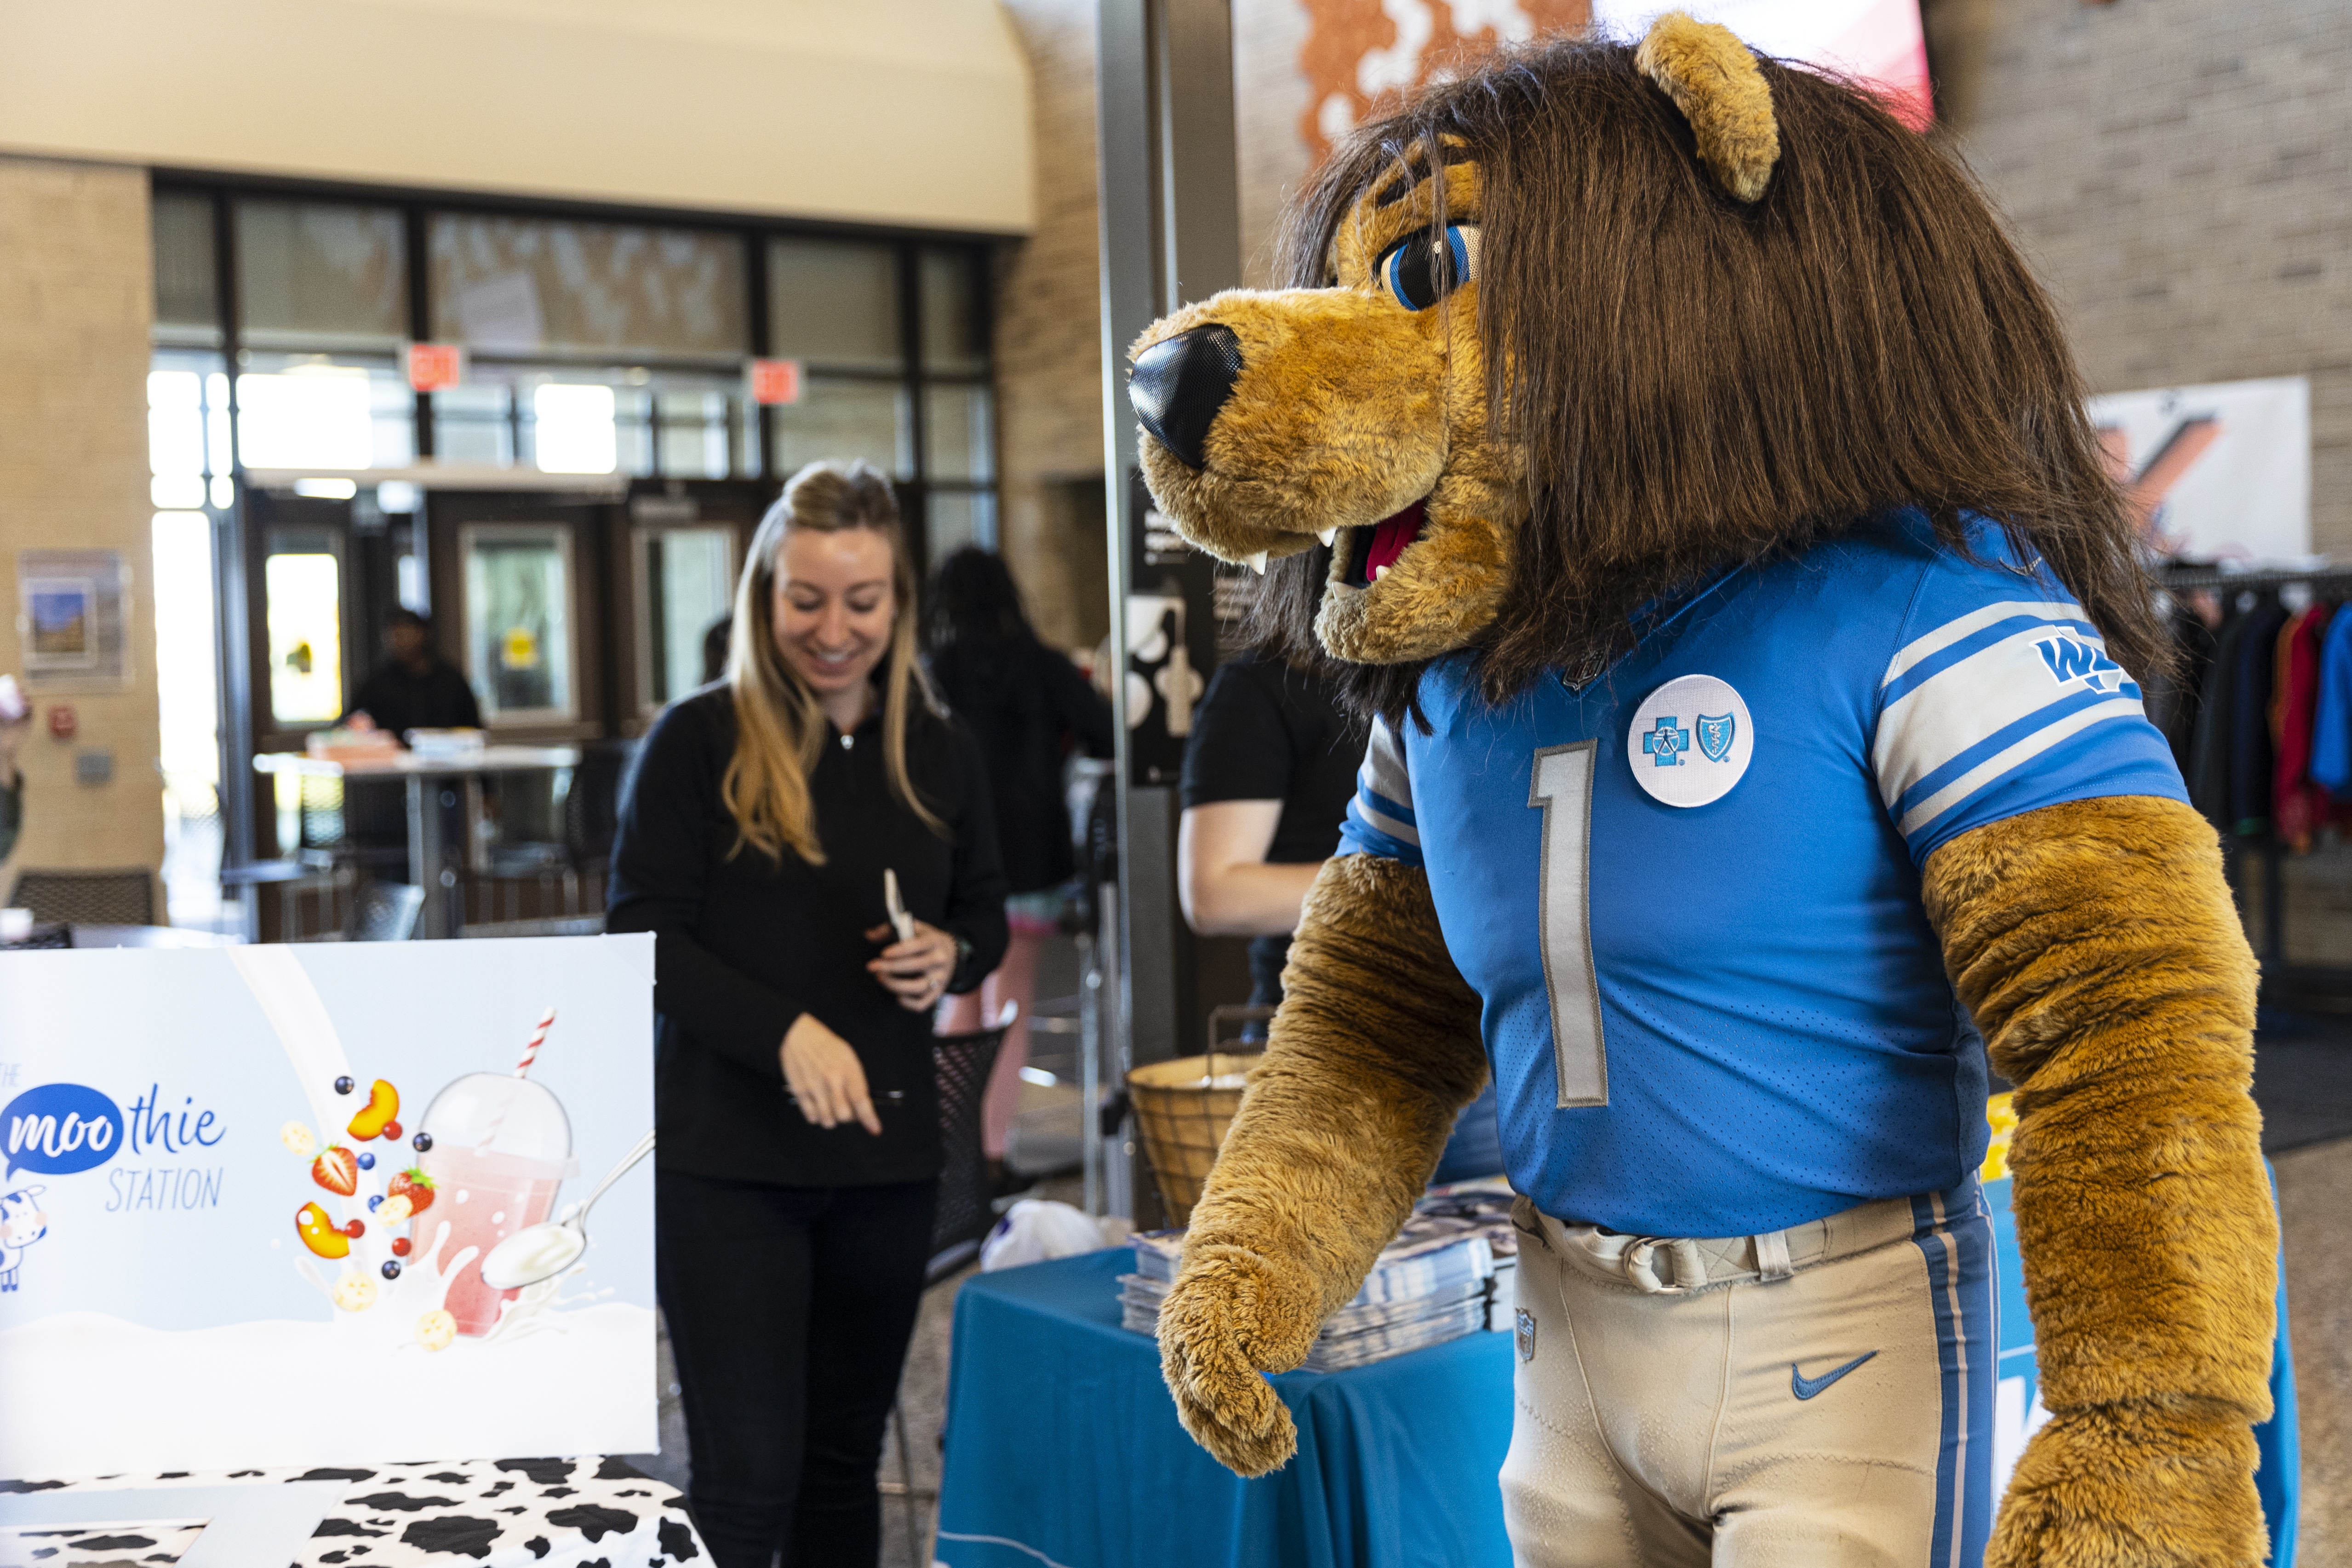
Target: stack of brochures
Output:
[(1434, 1282)]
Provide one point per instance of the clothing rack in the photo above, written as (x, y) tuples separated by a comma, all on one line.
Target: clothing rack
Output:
[(2311, 987)]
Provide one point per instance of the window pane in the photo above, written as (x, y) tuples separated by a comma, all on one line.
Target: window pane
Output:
[(845, 419), (686, 583), (519, 620), (187, 305), (310, 412), (950, 291), (958, 518), (572, 429), (956, 433), (517, 285), (834, 304), (471, 424), (320, 275), (304, 583)]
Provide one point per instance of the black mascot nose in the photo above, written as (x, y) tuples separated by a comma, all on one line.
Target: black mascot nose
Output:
[(1177, 386)]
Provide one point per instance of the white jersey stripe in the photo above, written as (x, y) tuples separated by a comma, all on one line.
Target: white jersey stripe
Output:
[(1994, 766), (1952, 631), (1384, 772), (1955, 709)]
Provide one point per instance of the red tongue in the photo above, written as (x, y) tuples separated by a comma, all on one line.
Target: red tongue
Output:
[(1389, 537)]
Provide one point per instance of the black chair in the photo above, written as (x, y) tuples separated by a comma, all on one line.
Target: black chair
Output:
[(964, 1215), (117, 898)]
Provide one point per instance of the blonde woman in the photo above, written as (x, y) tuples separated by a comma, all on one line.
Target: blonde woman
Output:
[(800, 1144)]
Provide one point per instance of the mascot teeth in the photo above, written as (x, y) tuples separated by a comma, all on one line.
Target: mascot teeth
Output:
[(1257, 562), (1327, 536)]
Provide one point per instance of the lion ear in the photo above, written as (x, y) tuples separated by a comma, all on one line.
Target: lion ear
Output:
[(1713, 79)]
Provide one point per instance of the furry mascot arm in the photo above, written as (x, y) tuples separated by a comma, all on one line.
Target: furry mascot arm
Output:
[(1375, 1050), (2096, 945)]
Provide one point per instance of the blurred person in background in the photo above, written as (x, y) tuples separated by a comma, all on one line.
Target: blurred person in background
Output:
[(1030, 706), (414, 688), (795, 1094), (1269, 770), (14, 727)]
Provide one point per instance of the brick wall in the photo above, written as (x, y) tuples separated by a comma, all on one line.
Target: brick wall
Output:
[(2178, 174), (1049, 344), (75, 303)]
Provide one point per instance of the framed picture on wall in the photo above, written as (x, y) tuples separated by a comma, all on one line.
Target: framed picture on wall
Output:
[(72, 618)]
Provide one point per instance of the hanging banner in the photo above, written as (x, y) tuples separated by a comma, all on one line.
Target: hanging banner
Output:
[(300, 1205), (2215, 473)]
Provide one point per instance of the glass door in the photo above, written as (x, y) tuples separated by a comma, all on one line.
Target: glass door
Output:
[(521, 637), (684, 587)]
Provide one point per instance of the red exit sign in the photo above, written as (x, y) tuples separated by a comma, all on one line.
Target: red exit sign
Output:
[(435, 367), (775, 381)]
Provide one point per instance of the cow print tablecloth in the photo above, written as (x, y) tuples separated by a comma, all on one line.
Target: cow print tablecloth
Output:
[(500, 1514)]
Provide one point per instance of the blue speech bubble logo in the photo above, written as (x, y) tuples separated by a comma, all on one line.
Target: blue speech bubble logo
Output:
[(57, 1128)]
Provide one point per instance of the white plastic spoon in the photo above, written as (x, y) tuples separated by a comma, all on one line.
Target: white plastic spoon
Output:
[(544, 1250)]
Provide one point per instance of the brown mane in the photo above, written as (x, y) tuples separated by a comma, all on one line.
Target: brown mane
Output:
[(1698, 382)]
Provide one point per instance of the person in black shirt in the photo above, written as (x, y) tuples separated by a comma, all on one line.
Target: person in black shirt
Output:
[(1269, 769), (1030, 708), (795, 1099), (414, 688)]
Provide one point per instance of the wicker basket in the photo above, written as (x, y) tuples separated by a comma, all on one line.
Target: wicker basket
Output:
[(1182, 1109)]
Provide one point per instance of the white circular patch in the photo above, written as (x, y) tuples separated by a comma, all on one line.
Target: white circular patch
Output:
[(1690, 741)]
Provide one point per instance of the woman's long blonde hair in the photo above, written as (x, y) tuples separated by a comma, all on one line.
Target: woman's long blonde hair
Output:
[(779, 726)]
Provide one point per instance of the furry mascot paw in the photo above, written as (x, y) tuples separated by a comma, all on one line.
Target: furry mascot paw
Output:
[(1233, 1316), (2134, 1486)]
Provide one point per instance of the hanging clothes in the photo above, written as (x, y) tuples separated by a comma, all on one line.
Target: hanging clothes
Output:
[(2298, 805), (2331, 724), (2208, 769), (2251, 753), (2175, 698)]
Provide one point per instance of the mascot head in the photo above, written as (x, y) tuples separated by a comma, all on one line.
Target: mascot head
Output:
[(1569, 331)]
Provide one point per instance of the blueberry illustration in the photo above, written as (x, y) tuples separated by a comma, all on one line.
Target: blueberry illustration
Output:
[(367, 1161), (373, 1201), (421, 1142), (343, 1086), (391, 1269)]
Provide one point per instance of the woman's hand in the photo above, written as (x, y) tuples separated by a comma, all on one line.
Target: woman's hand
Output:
[(918, 969), (825, 1076)]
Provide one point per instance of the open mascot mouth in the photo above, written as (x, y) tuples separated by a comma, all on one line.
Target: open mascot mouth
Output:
[(1371, 549)]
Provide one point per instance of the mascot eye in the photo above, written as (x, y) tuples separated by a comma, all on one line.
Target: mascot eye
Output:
[(1424, 268)]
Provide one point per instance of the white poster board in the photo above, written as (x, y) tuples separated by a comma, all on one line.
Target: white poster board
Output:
[(184, 1284), (2220, 472)]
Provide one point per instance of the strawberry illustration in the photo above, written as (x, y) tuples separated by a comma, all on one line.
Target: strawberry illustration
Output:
[(337, 1170), (413, 1185)]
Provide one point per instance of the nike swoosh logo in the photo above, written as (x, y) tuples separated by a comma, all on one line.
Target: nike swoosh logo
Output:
[(1805, 1387)]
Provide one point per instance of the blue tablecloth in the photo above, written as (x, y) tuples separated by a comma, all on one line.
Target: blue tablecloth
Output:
[(1063, 1451)]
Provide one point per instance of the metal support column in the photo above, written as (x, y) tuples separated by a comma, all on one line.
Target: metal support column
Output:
[(1170, 235)]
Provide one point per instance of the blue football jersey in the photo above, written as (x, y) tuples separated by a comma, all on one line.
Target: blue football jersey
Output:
[(1687, 895)]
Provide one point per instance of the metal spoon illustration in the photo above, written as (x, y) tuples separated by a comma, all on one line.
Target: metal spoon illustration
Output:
[(543, 1251)]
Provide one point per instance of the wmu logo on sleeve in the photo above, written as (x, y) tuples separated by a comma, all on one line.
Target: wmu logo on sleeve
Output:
[(2071, 660)]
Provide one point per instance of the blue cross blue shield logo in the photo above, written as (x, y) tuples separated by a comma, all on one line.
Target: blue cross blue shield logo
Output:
[(1715, 736), (1665, 745)]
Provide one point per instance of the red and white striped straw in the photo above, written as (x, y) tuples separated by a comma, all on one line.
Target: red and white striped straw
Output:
[(538, 1039)]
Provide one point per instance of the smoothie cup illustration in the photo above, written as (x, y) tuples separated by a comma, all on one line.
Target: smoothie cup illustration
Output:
[(500, 1146)]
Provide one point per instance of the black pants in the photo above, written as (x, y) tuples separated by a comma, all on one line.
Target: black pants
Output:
[(789, 1312)]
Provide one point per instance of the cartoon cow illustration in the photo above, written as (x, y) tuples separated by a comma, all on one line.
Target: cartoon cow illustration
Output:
[(22, 1223)]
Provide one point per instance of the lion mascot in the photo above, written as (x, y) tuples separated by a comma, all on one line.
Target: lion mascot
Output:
[(1669, 450)]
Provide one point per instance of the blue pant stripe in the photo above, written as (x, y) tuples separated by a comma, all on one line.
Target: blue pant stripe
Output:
[(1955, 1237)]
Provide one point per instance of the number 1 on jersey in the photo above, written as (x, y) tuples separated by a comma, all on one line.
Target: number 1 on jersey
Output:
[(1563, 788)]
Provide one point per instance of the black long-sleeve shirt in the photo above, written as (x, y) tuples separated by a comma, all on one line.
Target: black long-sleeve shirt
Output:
[(746, 944), (400, 699), (1025, 702)]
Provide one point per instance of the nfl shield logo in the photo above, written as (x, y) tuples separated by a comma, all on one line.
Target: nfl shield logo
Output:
[(1715, 736)]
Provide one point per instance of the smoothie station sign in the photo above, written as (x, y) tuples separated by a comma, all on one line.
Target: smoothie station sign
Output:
[(319, 1195)]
